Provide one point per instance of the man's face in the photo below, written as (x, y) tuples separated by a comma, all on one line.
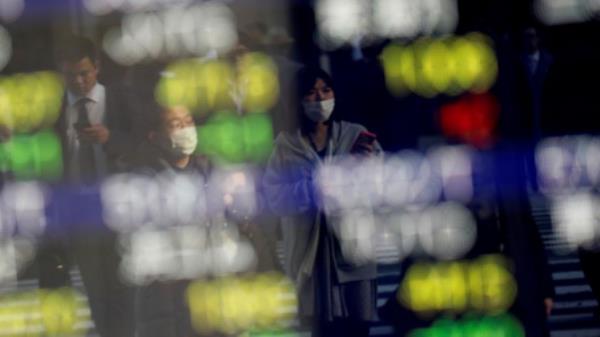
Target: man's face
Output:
[(176, 135), (176, 118), (80, 77)]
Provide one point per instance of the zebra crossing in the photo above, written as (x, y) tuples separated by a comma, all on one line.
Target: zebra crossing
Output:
[(19, 321), (573, 314), (574, 305)]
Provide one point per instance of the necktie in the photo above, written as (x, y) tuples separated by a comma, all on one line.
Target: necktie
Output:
[(87, 162), (82, 111)]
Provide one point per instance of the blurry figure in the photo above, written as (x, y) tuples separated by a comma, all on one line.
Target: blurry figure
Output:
[(160, 308), (505, 227), (505, 212), (171, 139), (336, 295), (524, 124), (95, 126), (169, 150), (533, 65)]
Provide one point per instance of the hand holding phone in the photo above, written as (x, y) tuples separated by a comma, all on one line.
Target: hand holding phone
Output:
[(80, 125), (365, 143)]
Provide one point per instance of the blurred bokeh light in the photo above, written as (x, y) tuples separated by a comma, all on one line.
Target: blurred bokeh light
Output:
[(184, 253), (558, 12), (233, 305), (131, 201), (198, 85), (257, 82), (11, 10), (229, 138), (576, 219), (38, 313), (471, 119), (402, 179), (22, 223), (433, 66), (250, 85), (499, 325), (103, 7), (34, 156), (485, 285), (172, 32), (22, 207), (568, 163), (401, 196), (445, 231), (454, 166), (343, 22), (234, 190), (30, 102)]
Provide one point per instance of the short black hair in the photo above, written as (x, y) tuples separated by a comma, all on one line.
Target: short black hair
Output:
[(307, 77), (75, 48)]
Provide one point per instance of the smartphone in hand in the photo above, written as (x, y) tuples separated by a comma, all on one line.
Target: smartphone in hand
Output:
[(79, 125), (364, 142), (366, 137)]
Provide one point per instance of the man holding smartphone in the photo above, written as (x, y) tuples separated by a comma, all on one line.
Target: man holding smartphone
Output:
[(96, 121), (96, 127)]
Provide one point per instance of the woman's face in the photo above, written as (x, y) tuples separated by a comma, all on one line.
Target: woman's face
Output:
[(319, 92)]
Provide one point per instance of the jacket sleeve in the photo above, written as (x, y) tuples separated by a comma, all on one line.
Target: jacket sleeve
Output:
[(288, 188)]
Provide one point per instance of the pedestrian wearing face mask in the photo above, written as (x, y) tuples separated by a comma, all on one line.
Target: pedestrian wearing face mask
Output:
[(337, 295), (161, 307), (171, 140)]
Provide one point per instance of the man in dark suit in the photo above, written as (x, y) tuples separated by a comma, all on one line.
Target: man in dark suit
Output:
[(536, 63), (525, 117), (96, 131), (96, 122)]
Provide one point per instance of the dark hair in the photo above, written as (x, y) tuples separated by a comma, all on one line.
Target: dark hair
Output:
[(308, 76), (153, 115), (306, 79), (75, 48)]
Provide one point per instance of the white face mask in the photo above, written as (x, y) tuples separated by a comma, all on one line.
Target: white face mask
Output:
[(319, 111), (183, 141)]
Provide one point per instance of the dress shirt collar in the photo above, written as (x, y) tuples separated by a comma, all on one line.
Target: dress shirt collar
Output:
[(95, 95)]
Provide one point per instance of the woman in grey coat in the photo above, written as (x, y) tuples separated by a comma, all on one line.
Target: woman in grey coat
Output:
[(336, 294)]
